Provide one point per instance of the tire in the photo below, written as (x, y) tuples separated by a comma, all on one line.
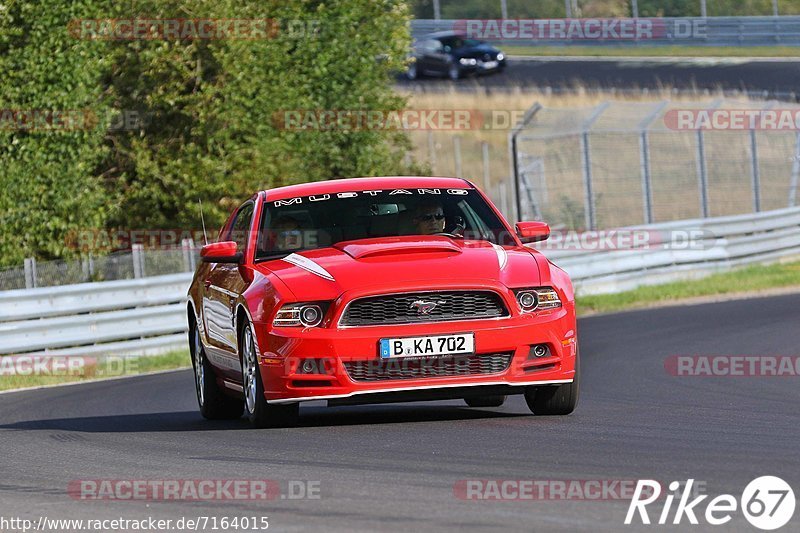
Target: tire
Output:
[(412, 73), (555, 400), (260, 413), (453, 72), (213, 402), (486, 401)]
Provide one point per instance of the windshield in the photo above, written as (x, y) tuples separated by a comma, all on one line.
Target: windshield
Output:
[(309, 222), (458, 42)]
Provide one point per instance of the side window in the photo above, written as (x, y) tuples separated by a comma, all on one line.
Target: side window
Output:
[(432, 46), (241, 226)]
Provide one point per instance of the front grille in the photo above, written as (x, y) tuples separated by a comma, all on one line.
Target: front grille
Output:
[(427, 367), (408, 308)]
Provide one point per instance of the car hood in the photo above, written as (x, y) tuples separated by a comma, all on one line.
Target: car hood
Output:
[(399, 263)]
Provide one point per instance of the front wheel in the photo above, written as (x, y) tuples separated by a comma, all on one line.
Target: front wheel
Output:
[(454, 73), (555, 399), (260, 413), (213, 402)]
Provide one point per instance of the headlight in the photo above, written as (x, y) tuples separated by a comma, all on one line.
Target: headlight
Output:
[(307, 315), (468, 61), (537, 299), (500, 56)]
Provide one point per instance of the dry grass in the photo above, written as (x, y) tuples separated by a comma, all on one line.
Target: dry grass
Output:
[(615, 156)]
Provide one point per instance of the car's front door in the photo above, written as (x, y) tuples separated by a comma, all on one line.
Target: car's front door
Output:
[(222, 287), (439, 57), (429, 57)]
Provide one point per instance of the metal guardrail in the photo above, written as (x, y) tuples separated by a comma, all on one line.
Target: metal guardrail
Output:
[(139, 262), (717, 244), (130, 317), (690, 31), (147, 316)]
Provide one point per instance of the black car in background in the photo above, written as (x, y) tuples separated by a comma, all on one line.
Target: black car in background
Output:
[(454, 55)]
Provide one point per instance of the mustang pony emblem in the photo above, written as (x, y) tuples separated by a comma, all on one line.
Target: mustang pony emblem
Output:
[(425, 307)]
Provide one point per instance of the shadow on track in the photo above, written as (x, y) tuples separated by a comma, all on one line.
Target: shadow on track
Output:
[(309, 417)]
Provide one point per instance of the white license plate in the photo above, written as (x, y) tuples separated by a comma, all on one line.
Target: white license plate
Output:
[(427, 346), (490, 64)]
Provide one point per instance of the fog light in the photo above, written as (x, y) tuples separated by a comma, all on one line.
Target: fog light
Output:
[(309, 366), (540, 350)]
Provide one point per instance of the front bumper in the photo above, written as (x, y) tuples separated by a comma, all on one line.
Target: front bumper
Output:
[(483, 67), (283, 351)]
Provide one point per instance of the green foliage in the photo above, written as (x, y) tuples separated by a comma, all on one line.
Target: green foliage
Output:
[(669, 8), (47, 184), (210, 111)]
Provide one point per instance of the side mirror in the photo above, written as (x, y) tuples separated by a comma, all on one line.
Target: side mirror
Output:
[(221, 252), (533, 231)]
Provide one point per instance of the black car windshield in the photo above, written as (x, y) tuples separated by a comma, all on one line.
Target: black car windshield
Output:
[(310, 222), (460, 42)]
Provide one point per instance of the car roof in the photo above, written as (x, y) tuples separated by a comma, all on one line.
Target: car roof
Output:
[(365, 184), (441, 34)]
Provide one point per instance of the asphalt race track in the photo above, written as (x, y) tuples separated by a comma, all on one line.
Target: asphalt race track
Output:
[(393, 467), (762, 77)]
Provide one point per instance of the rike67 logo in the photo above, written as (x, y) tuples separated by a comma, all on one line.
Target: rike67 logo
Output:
[(767, 503)]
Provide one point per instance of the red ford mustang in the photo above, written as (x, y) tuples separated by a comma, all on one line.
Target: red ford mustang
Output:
[(376, 290)]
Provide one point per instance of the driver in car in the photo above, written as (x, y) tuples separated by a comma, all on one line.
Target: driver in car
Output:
[(287, 233), (429, 218)]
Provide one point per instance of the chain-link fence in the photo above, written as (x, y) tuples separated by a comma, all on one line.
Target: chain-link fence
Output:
[(621, 164), (481, 159), (139, 262)]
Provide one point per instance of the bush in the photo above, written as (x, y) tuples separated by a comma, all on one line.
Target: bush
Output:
[(48, 186), (209, 110)]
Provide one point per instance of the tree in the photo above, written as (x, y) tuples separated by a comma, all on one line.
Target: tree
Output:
[(209, 111), (215, 131), (47, 185)]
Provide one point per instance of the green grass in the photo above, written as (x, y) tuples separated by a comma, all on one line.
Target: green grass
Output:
[(104, 368), (742, 280), (655, 51)]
